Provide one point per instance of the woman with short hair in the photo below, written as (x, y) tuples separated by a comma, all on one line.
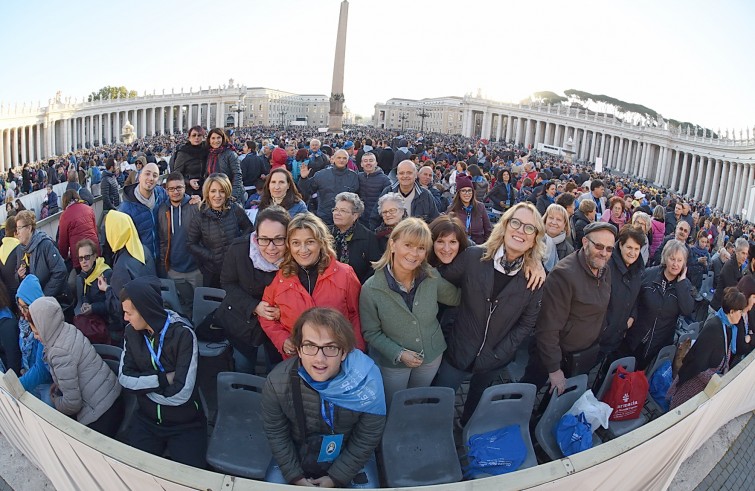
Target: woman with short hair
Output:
[(354, 244), (190, 160), (556, 220), (616, 213), (392, 209)]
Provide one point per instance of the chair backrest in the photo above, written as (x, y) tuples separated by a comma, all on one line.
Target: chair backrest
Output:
[(501, 405), (557, 407), (108, 352), (694, 327), (627, 362), (205, 301), (667, 353), (421, 409), (235, 387), (169, 292), (113, 365)]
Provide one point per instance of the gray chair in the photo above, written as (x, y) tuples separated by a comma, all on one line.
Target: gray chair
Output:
[(169, 293), (667, 353), (107, 352), (207, 300), (111, 355), (707, 286), (418, 442), (504, 405), (618, 428), (557, 407), (238, 445)]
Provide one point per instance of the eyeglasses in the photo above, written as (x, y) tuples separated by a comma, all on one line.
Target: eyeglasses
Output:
[(392, 211), (21, 227), (176, 189), (600, 247), (265, 241), (87, 257), (465, 190), (516, 224), (195, 135), (312, 349), (341, 211)]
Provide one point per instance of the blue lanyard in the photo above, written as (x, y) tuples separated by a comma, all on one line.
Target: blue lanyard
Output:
[(508, 193), (156, 357), (332, 419)]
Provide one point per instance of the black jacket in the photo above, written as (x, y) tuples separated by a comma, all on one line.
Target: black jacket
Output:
[(385, 159), (252, 167), (499, 194), (730, 275), (370, 188), (578, 224), (244, 286), (210, 236), (363, 250), (423, 204), (327, 183), (125, 269), (111, 199), (709, 349), (625, 287), (488, 330)]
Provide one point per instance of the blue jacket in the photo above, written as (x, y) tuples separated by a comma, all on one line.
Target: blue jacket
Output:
[(145, 220), (38, 372)]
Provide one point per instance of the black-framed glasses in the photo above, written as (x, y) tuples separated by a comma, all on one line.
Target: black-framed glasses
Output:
[(311, 350), (86, 257), (600, 247), (176, 189), (517, 224), (265, 241)]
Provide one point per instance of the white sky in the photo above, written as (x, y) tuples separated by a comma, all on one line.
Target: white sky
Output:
[(689, 60)]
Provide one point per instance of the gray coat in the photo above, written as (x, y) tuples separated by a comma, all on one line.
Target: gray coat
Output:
[(87, 385), (45, 263)]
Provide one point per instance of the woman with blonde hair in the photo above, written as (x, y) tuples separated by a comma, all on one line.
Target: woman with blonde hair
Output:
[(310, 276), (556, 220), (217, 224), (498, 309), (399, 309)]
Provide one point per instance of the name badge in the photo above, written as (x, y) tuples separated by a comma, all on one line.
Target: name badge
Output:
[(330, 448)]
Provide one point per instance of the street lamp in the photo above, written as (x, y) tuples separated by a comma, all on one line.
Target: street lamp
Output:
[(422, 114), (282, 114), (238, 108), (403, 117)]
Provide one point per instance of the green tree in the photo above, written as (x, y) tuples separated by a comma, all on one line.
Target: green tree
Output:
[(109, 92)]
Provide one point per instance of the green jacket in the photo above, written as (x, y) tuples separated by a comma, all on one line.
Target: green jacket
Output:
[(388, 326)]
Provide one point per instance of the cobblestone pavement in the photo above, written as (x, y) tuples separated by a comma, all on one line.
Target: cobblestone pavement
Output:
[(735, 471)]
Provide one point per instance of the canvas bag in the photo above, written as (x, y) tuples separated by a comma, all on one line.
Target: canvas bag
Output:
[(573, 434), (627, 394)]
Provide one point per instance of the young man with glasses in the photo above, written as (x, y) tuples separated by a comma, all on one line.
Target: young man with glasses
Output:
[(327, 436), (575, 301), (173, 219)]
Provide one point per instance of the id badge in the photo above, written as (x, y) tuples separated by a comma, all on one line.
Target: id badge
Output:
[(331, 448)]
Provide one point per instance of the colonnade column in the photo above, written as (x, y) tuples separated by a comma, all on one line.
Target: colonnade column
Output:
[(747, 183), (152, 129), (509, 127), (737, 188), (728, 183), (657, 176), (685, 172), (527, 130), (721, 188), (619, 154), (713, 192), (692, 175), (701, 190), (171, 115), (209, 112), (180, 119), (538, 133)]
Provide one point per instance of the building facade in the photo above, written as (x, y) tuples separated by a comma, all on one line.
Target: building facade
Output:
[(437, 115)]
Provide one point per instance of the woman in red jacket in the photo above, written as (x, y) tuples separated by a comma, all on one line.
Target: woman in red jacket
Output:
[(76, 223), (310, 276)]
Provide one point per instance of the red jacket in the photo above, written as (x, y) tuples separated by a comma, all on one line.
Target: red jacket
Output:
[(76, 223), (337, 287)]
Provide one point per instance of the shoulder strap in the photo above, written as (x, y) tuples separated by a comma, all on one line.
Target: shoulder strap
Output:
[(296, 395)]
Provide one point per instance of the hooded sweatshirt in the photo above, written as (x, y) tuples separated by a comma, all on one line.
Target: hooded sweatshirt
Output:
[(37, 372), (87, 386)]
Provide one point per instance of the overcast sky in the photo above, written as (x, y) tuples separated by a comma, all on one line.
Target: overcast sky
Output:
[(689, 60)]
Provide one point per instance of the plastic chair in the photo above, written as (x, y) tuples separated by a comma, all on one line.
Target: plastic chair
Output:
[(495, 411), (238, 445), (707, 286), (667, 353), (418, 443), (207, 300), (618, 428), (111, 355), (557, 407), (108, 352), (169, 293)]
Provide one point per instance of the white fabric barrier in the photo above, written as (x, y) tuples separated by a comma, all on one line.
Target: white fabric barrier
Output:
[(74, 457)]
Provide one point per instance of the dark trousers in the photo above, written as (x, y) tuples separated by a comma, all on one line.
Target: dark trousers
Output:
[(10, 353), (449, 376), (110, 421), (187, 443), (211, 280)]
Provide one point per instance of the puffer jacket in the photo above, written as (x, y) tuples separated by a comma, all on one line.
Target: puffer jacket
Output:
[(327, 183), (488, 330), (210, 236), (45, 263), (370, 188), (228, 164), (337, 287), (125, 269), (625, 287), (76, 223), (87, 385), (111, 199), (658, 230), (145, 220), (361, 431), (578, 224)]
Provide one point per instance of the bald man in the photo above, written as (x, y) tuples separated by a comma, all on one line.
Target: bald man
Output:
[(141, 202), (327, 183), (417, 199)]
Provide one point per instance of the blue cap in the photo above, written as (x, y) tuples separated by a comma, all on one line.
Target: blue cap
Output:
[(348, 144)]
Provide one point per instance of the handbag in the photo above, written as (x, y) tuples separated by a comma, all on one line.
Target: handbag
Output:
[(93, 327), (309, 451), (627, 394), (582, 361)]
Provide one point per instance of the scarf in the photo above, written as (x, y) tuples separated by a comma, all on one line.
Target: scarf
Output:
[(148, 202), (212, 158), (383, 230), (727, 323), (9, 245), (357, 387), (551, 254), (502, 265), (468, 210), (99, 268), (342, 242), (258, 260)]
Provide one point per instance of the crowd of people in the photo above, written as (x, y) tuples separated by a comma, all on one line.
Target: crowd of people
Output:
[(360, 264)]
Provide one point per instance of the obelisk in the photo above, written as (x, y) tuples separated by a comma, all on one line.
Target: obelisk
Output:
[(335, 116)]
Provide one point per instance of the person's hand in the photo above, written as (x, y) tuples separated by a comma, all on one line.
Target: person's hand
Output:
[(194, 183), (102, 283), (304, 482), (630, 322), (267, 311), (21, 271), (324, 482), (702, 260), (304, 171), (86, 308), (535, 275), (170, 376), (410, 358), (558, 381), (288, 347), (195, 200)]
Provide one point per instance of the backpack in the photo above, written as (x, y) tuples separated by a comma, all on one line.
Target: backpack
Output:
[(96, 175)]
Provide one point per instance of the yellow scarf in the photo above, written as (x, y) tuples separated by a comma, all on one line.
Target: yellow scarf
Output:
[(9, 244), (120, 233), (99, 268)]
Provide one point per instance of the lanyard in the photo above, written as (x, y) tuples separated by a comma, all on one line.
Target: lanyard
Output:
[(156, 357), (332, 419)]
